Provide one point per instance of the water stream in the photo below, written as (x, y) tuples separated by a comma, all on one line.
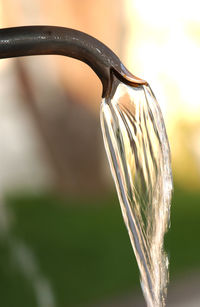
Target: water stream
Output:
[(138, 152)]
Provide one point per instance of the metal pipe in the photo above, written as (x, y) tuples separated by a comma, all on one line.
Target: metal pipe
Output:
[(38, 40)]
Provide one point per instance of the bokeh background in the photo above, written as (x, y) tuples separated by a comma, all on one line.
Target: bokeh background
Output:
[(62, 238)]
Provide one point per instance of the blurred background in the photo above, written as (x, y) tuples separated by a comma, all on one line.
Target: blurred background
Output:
[(62, 237)]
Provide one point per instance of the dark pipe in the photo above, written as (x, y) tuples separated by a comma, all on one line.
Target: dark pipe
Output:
[(38, 40)]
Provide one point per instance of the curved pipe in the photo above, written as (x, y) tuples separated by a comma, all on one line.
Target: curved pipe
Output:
[(38, 40)]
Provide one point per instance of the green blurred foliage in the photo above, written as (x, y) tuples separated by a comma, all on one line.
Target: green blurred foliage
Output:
[(82, 247)]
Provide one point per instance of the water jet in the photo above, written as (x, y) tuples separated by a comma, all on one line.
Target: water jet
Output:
[(135, 140)]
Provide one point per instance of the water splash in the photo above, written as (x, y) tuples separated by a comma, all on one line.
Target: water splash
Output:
[(138, 152)]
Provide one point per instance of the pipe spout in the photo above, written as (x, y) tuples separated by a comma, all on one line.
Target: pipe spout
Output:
[(41, 40)]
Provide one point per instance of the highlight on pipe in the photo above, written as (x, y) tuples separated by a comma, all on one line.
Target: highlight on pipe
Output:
[(41, 40)]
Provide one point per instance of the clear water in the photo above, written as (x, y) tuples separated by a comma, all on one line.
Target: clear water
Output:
[(138, 152)]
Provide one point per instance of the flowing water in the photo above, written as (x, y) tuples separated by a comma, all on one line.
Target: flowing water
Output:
[(138, 152)]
